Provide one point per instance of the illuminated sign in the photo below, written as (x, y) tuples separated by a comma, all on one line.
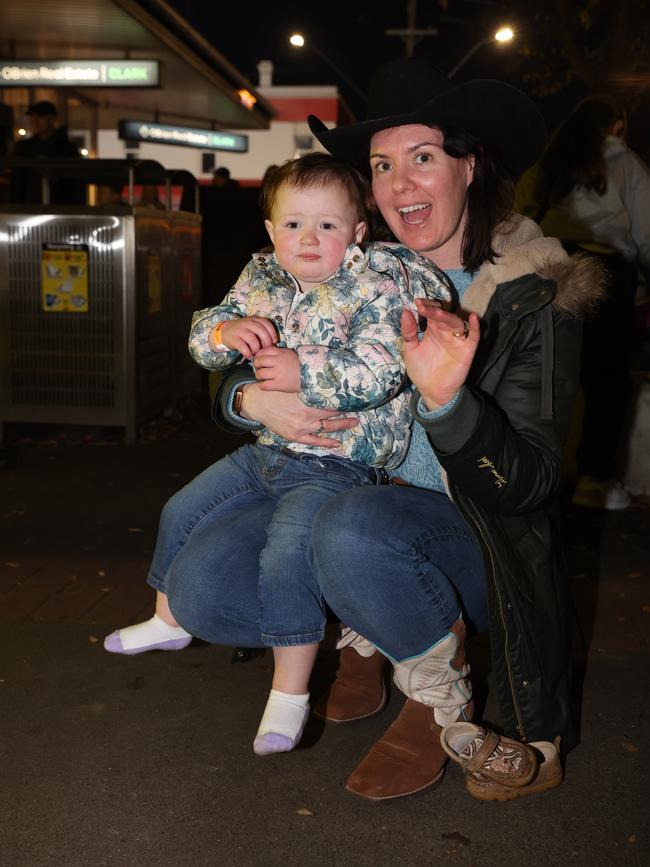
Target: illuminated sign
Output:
[(246, 98), (185, 136), (79, 73)]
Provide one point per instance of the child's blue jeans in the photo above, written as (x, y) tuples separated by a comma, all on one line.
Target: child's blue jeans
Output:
[(271, 497)]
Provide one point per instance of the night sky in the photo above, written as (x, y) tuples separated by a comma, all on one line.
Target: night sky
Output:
[(352, 34)]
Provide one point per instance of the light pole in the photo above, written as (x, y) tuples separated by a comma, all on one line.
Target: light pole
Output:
[(503, 34), (298, 41)]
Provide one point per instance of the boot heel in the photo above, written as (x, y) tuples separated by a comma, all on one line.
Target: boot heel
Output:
[(359, 690)]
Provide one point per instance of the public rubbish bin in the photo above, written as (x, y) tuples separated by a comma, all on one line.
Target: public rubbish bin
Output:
[(96, 303)]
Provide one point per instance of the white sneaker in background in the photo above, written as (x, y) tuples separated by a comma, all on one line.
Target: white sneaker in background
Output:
[(617, 497), (596, 494)]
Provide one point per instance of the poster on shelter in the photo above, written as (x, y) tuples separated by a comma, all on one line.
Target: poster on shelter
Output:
[(64, 278)]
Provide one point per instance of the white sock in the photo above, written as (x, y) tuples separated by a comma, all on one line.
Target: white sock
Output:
[(284, 714), (154, 631)]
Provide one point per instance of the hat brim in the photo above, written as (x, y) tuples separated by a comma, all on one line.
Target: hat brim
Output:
[(503, 118)]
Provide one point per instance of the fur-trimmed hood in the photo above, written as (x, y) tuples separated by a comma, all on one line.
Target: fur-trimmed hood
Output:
[(522, 249)]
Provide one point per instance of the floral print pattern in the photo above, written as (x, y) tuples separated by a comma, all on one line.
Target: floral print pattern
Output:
[(346, 332)]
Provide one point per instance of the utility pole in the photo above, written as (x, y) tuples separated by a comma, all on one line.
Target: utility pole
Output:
[(411, 35)]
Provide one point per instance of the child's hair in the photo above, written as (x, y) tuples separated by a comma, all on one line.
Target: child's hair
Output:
[(315, 170)]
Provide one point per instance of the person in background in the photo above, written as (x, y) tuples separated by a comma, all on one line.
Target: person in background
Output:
[(149, 197), (593, 193), (221, 178), (48, 140), (110, 194)]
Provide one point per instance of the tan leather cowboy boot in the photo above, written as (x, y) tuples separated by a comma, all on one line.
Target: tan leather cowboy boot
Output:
[(359, 690), (409, 757)]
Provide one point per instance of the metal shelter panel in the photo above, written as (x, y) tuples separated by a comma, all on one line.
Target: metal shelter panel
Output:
[(154, 311), (65, 367), (123, 360), (186, 298)]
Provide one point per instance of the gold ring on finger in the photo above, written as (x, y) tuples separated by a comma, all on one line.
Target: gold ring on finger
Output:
[(464, 332)]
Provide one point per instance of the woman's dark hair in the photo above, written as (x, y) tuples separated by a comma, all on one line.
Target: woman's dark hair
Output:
[(574, 156), (490, 197)]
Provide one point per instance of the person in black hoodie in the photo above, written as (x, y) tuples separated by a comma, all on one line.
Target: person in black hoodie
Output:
[(50, 141)]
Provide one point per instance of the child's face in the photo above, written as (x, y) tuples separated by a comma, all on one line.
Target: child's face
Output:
[(311, 230)]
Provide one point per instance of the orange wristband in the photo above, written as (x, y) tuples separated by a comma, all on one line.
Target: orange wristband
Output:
[(216, 332)]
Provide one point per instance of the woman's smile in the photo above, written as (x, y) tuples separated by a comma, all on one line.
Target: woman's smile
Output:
[(415, 215)]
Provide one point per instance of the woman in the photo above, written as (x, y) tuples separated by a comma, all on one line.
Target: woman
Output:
[(592, 192), (403, 565), (496, 383)]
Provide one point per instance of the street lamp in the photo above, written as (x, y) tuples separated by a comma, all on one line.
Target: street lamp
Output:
[(298, 41), (504, 34)]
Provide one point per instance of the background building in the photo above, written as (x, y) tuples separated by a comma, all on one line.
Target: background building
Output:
[(288, 135)]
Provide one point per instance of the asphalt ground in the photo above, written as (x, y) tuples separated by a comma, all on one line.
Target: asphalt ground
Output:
[(147, 760)]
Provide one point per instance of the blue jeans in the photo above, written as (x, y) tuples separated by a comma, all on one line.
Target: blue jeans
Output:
[(278, 495), (397, 565)]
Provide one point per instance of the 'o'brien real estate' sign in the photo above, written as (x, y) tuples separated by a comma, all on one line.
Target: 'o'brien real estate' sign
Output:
[(184, 136), (79, 73)]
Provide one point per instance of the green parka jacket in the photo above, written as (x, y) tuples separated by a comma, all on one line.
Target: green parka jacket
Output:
[(502, 447)]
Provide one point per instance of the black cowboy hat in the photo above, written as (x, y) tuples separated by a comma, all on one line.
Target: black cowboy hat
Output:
[(411, 90)]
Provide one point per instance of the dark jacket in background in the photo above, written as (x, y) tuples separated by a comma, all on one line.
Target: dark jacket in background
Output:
[(26, 183)]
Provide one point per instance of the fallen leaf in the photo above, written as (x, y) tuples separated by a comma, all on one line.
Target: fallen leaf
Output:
[(646, 608), (303, 811), (630, 748), (13, 565), (92, 639), (633, 838), (457, 837)]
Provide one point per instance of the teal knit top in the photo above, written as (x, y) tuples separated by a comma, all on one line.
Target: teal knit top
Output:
[(420, 467)]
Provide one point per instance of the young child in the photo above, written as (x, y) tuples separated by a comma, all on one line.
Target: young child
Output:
[(315, 319)]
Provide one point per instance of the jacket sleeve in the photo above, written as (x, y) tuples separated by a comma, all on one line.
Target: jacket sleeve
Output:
[(223, 386), (496, 448), (234, 306), (365, 372)]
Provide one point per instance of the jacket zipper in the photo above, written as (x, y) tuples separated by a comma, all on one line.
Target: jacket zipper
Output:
[(520, 724)]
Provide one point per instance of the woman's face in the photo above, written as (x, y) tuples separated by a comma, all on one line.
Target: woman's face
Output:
[(421, 191)]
